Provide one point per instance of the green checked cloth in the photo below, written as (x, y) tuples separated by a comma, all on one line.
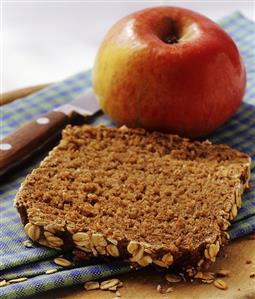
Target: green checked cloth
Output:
[(19, 261)]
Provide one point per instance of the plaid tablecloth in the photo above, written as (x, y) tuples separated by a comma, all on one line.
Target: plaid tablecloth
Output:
[(18, 261)]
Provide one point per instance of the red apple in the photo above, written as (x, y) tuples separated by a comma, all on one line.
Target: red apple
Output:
[(169, 69)]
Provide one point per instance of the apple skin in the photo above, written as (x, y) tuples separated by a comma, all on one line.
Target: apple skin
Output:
[(190, 87)]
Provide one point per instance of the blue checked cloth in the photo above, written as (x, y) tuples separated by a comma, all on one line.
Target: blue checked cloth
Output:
[(19, 261)]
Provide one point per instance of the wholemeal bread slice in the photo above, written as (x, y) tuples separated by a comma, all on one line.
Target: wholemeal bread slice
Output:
[(130, 194)]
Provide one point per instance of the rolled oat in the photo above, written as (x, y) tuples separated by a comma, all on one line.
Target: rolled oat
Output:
[(51, 271), (105, 285), (62, 262), (16, 280), (173, 278), (3, 283), (220, 284), (113, 250), (91, 285)]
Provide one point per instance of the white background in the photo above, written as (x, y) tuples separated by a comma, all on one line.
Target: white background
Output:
[(47, 41)]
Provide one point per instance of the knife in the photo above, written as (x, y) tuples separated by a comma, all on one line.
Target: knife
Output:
[(33, 136)]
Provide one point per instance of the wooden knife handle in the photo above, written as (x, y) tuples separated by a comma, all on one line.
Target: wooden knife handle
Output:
[(11, 96), (29, 138)]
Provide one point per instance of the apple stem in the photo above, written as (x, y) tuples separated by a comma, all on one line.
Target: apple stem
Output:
[(171, 40), (172, 34)]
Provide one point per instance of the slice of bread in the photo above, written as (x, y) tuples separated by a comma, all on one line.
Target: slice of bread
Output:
[(127, 193)]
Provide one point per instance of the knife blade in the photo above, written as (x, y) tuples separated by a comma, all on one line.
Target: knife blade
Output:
[(33, 136)]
